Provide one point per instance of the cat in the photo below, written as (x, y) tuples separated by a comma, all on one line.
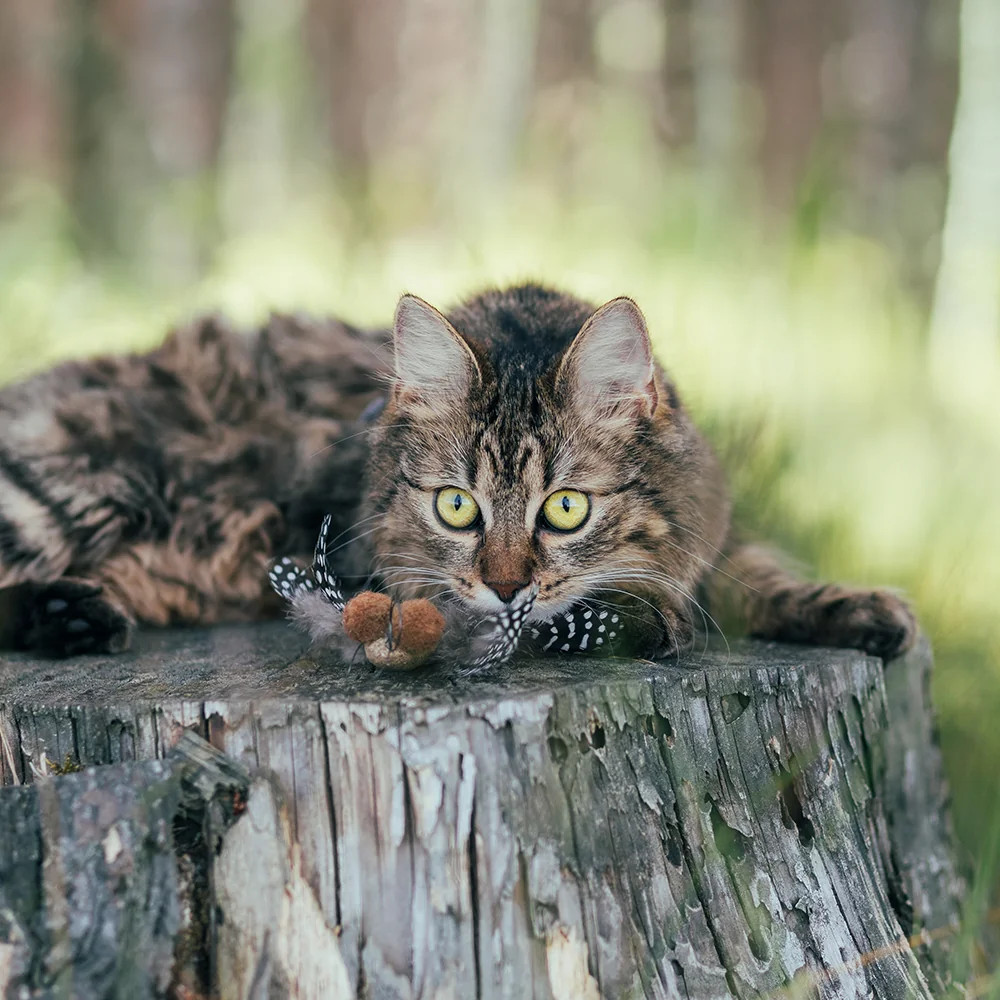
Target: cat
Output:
[(525, 439)]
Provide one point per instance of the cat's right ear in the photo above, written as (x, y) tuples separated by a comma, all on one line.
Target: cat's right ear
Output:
[(433, 361), (609, 366)]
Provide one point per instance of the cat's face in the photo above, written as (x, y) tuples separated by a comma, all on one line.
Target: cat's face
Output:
[(497, 469)]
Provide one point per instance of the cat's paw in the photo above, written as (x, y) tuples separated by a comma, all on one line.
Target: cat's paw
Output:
[(67, 617), (677, 633), (874, 621)]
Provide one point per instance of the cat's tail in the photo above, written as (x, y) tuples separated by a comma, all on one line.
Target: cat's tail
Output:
[(756, 585)]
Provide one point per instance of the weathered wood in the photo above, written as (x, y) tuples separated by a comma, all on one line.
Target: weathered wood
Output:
[(766, 819), (92, 901)]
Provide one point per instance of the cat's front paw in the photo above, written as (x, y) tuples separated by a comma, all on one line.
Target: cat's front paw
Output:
[(874, 621), (67, 617), (676, 635)]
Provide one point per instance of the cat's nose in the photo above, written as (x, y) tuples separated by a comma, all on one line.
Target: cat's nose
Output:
[(506, 589)]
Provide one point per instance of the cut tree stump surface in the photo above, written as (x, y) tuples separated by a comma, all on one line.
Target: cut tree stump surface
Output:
[(764, 820)]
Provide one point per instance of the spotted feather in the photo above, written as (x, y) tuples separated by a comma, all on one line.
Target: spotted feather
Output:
[(289, 580), (507, 626), (581, 629), (329, 582)]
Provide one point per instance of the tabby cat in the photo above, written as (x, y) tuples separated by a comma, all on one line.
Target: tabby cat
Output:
[(524, 439)]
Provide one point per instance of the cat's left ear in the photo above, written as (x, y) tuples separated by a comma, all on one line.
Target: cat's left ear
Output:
[(433, 361), (609, 366)]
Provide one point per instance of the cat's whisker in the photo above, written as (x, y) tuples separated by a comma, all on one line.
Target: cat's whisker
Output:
[(641, 600), (413, 574), (436, 595), (379, 566), (396, 581), (619, 609), (650, 575), (425, 570), (352, 526), (708, 564), (657, 611), (351, 541), (411, 568), (714, 548), (706, 616), (348, 437), (396, 555)]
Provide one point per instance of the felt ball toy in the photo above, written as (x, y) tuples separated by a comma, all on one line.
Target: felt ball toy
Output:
[(396, 636)]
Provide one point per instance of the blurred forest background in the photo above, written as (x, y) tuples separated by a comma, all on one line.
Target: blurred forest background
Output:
[(803, 195)]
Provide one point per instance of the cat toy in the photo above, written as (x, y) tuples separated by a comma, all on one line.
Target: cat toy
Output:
[(404, 635)]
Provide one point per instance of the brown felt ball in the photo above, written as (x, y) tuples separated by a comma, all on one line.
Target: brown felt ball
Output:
[(366, 616), (423, 626)]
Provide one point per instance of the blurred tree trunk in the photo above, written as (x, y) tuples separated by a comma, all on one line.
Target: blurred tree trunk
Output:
[(98, 175), (790, 39), (150, 84), (178, 67), (431, 125), (565, 49), (922, 215), (717, 35), (679, 77), (354, 53), (426, 98), (965, 323), (508, 41), (31, 95), (563, 90), (178, 56), (879, 74)]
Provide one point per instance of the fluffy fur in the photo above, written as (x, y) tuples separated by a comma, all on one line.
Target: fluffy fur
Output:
[(156, 488)]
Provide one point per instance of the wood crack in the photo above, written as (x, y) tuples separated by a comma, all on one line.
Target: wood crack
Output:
[(332, 811), (703, 900), (474, 895)]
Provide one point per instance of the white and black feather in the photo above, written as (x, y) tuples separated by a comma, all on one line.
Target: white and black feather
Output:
[(328, 581), (581, 629), (502, 633), (289, 579)]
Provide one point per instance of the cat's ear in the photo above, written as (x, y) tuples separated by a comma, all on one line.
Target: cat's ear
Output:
[(609, 366), (433, 361)]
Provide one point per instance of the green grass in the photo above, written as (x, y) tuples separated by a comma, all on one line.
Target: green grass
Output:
[(807, 365)]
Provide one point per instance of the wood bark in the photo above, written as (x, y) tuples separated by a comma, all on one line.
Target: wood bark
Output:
[(766, 820)]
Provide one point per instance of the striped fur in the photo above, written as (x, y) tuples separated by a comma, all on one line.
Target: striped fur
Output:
[(156, 488)]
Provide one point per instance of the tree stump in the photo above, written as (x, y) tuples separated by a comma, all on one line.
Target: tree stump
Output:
[(764, 820)]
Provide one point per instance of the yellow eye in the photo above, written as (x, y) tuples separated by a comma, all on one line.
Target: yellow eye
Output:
[(456, 507), (566, 510)]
